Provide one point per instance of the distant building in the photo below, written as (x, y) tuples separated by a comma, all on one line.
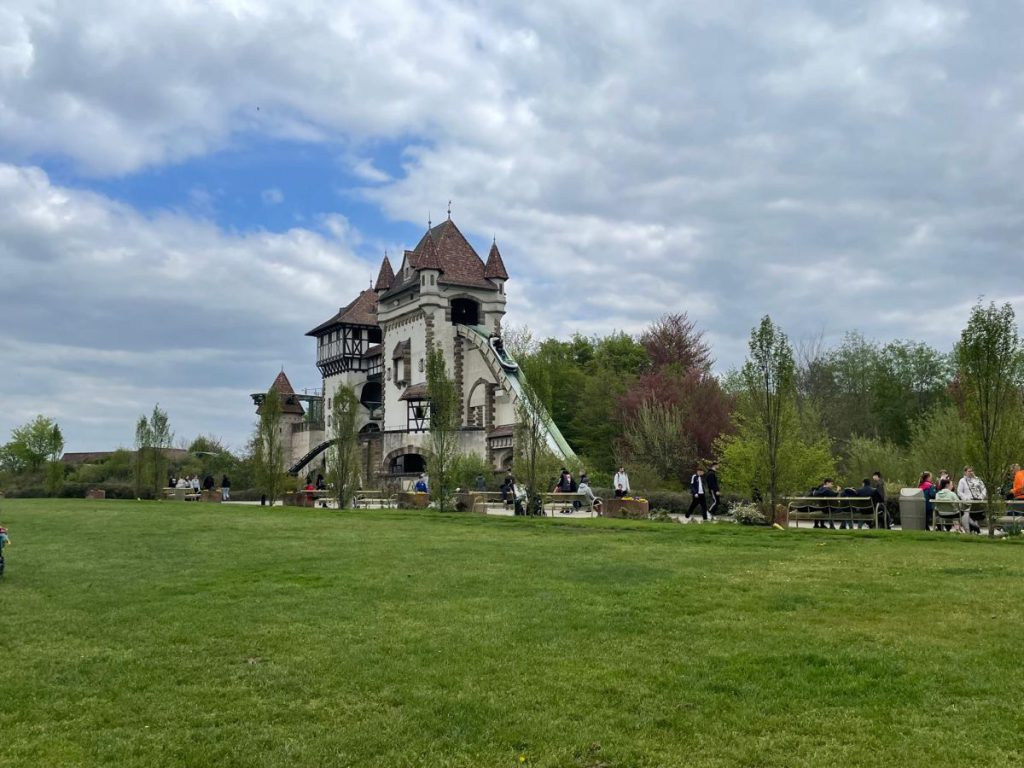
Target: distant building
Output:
[(442, 294)]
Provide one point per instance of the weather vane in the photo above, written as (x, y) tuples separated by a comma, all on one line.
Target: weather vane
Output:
[(449, 210)]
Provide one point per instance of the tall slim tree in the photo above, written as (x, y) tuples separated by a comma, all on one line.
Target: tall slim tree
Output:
[(990, 370), (162, 438), (343, 460), (769, 376), (445, 420), (143, 440), (268, 448)]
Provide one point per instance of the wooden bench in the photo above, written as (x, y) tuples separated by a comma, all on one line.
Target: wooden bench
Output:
[(480, 502), (553, 503), (833, 509), (373, 499)]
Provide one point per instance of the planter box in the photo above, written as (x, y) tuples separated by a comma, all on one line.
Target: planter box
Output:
[(95, 493), (412, 500), (626, 508), (213, 496)]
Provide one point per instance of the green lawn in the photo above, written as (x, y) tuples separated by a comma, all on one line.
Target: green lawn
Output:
[(171, 634)]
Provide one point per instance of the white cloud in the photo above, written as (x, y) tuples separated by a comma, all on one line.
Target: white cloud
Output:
[(837, 165), (105, 310)]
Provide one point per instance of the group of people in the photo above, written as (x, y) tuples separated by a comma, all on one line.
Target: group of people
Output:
[(969, 488), (704, 488), (873, 488), (191, 482), (566, 484)]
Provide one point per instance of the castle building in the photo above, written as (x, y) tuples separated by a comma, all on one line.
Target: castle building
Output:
[(442, 294)]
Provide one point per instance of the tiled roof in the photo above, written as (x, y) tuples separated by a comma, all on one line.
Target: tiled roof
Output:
[(495, 267), (289, 402), (401, 348), (427, 257), (386, 276), (415, 392), (505, 430), (361, 311), (374, 351), (459, 263)]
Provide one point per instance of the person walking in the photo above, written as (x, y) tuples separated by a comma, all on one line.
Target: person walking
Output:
[(698, 492), (711, 479), (225, 488)]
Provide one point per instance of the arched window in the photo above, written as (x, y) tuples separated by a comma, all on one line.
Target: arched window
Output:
[(408, 464)]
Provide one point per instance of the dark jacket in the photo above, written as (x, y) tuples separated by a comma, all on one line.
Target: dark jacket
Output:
[(698, 487), (566, 484), (822, 490), (711, 481)]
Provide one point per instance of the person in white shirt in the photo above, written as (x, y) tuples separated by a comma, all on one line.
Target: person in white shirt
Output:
[(970, 488), (621, 483)]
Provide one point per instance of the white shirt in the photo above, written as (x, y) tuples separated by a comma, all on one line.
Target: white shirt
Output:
[(621, 481), (700, 483), (970, 488)]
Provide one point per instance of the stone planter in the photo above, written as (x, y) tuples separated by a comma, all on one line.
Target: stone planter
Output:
[(631, 508), (213, 496), (412, 500), (466, 502), (95, 493)]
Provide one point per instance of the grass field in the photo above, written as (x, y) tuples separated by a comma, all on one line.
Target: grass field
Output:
[(169, 634)]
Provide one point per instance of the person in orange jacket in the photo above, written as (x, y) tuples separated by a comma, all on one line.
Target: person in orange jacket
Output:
[(1018, 481)]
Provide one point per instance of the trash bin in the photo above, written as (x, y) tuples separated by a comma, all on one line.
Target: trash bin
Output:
[(912, 517)]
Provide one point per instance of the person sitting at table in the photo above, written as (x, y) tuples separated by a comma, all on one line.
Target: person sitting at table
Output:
[(585, 489), (565, 484), (946, 493), (507, 488), (928, 489), (1018, 482), (826, 489)]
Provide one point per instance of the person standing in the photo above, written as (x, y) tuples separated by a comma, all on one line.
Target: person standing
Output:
[(698, 492), (225, 488), (711, 479), (621, 483)]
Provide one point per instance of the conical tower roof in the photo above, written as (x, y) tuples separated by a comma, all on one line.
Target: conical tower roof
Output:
[(428, 257), (495, 267), (386, 276)]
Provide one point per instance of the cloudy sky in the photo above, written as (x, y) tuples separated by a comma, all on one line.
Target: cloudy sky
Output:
[(188, 187)]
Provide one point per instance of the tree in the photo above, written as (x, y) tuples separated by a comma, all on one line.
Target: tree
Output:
[(990, 371), (33, 444), (268, 448), (343, 463), (445, 420), (675, 340), (657, 438), (153, 436), (143, 439), (769, 376)]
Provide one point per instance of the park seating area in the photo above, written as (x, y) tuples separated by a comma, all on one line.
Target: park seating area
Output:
[(947, 512), (833, 509)]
